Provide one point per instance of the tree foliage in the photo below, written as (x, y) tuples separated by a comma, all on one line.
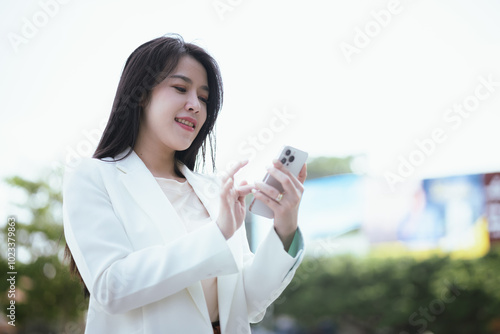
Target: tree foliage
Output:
[(396, 296), (48, 299), (326, 166)]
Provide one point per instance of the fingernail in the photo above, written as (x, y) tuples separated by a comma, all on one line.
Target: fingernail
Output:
[(275, 161), (254, 190)]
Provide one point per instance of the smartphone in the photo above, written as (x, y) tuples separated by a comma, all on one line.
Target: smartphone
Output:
[(293, 159)]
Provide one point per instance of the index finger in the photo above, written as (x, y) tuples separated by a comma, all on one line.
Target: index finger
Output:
[(234, 169)]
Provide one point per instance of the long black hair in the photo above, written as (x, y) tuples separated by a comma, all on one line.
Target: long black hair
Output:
[(145, 68)]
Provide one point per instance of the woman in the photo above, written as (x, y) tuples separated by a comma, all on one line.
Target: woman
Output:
[(159, 247)]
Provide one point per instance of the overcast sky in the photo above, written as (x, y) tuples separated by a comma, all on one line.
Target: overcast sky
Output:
[(374, 78)]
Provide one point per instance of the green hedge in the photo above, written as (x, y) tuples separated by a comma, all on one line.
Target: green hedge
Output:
[(440, 295)]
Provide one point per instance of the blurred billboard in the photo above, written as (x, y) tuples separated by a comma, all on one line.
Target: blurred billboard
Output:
[(351, 213)]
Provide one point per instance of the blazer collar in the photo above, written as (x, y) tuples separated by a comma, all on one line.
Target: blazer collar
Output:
[(205, 187)]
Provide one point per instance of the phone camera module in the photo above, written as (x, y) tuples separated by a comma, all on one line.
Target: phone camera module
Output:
[(283, 161), (292, 158), (287, 153)]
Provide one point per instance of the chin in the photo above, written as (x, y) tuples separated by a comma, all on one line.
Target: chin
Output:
[(182, 147)]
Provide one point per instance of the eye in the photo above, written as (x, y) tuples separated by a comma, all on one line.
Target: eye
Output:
[(203, 99), (180, 89)]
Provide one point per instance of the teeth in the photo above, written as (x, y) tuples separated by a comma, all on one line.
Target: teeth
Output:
[(183, 121)]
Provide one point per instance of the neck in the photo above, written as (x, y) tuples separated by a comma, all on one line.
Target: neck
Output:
[(158, 158)]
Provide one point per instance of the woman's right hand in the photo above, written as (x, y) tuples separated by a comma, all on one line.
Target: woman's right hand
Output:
[(232, 202)]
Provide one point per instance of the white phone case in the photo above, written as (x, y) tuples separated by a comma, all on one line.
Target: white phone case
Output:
[(293, 159)]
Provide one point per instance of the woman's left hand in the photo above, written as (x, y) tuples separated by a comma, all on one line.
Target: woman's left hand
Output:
[(285, 209)]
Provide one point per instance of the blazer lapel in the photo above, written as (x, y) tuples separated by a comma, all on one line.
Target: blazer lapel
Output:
[(208, 193), (145, 190), (143, 187), (205, 188)]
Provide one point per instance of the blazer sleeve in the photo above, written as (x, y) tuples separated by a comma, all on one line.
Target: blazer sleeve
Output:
[(118, 277), (267, 273)]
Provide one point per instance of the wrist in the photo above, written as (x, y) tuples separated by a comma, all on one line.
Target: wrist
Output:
[(226, 233), (286, 237), (285, 228)]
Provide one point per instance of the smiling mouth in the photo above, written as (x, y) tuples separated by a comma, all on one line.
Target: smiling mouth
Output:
[(183, 121)]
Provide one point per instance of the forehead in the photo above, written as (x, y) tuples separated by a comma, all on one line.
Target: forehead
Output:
[(190, 68)]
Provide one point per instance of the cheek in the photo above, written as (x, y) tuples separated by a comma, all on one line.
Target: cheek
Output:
[(155, 120), (160, 112)]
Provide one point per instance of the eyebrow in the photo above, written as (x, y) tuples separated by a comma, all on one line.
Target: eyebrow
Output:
[(189, 81)]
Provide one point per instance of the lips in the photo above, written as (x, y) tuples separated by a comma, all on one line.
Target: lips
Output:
[(188, 121)]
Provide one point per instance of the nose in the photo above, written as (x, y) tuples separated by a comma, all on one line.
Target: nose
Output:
[(193, 103)]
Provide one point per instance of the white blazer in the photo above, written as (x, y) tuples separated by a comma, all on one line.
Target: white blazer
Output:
[(143, 269)]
